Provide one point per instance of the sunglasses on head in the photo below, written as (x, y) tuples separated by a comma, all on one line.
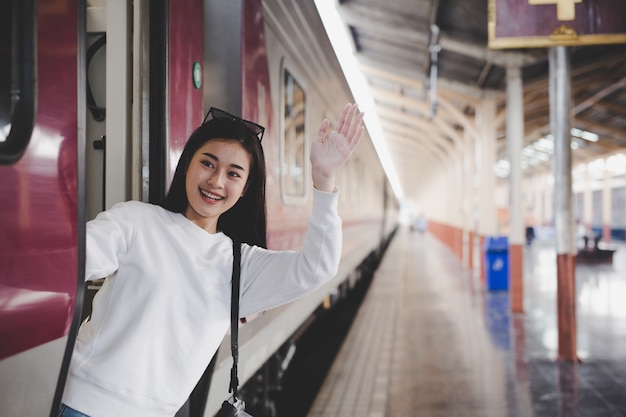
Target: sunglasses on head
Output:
[(215, 113)]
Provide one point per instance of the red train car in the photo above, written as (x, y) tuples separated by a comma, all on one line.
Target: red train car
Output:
[(97, 100)]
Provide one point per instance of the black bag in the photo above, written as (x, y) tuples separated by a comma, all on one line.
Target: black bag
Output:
[(234, 406)]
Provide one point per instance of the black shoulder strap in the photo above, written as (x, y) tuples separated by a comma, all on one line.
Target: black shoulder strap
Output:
[(196, 402), (234, 317)]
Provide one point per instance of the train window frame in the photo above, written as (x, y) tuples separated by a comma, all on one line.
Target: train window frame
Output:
[(302, 141), (20, 70)]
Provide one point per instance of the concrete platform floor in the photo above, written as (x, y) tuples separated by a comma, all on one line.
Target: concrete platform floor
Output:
[(430, 341)]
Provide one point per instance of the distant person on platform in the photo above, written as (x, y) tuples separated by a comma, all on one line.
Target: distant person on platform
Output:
[(530, 234)]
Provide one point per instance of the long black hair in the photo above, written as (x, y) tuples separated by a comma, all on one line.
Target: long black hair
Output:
[(246, 221)]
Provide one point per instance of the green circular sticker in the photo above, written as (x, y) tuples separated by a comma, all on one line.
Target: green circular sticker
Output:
[(197, 75)]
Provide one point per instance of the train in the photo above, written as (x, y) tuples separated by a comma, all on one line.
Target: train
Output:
[(97, 101)]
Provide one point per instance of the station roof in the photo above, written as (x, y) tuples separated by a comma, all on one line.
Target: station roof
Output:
[(392, 40)]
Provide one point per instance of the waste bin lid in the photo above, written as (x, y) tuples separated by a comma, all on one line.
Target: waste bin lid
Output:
[(496, 244)]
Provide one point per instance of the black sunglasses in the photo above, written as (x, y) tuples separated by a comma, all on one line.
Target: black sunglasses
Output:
[(215, 113)]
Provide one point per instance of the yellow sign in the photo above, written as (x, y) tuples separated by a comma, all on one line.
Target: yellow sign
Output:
[(546, 23), (565, 9)]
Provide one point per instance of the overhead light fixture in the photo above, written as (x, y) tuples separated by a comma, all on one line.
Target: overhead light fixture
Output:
[(583, 134), (340, 40)]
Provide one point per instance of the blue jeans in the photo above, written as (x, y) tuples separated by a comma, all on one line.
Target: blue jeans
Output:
[(70, 412)]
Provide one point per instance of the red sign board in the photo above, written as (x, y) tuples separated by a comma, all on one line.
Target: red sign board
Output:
[(544, 23)]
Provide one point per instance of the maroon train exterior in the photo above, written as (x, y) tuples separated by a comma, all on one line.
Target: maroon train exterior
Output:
[(38, 208), (38, 211), (183, 56)]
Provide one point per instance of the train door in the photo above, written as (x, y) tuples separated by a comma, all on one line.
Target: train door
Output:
[(111, 123), (144, 99), (95, 86), (85, 122), (109, 114), (41, 206)]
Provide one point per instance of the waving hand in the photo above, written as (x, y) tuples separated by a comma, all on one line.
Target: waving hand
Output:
[(330, 150)]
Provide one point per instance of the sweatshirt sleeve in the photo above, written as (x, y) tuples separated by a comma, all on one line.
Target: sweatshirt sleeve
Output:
[(272, 278), (107, 240)]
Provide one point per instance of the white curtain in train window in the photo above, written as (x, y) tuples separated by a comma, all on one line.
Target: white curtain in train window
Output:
[(294, 149)]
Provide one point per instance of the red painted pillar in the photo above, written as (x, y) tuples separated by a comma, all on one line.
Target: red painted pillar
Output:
[(560, 116), (481, 261), (470, 255), (514, 143), (516, 277), (566, 305)]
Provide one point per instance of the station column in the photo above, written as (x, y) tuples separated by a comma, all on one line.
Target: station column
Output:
[(514, 141), (560, 121), (587, 217), (468, 193), (486, 157), (607, 211)]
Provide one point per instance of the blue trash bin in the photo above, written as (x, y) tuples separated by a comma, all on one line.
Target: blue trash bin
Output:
[(497, 263)]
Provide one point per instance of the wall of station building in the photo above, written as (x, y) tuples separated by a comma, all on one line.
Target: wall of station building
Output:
[(456, 215), (598, 200), (465, 201)]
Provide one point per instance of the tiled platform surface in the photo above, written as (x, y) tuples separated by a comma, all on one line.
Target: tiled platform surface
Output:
[(429, 341)]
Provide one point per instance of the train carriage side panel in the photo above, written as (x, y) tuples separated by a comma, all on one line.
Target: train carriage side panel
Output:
[(38, 214), (256, 96), (290, 46), (185, 54)]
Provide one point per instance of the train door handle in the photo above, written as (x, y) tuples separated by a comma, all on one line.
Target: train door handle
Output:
[(100, 144)]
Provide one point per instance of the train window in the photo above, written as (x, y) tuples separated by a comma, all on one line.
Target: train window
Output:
[(17, 77), (293, 149), (5, 69)]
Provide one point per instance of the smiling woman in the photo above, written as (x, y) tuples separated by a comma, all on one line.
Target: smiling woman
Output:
[(168, 285), (164, 272), (245, 221), (216, 180)]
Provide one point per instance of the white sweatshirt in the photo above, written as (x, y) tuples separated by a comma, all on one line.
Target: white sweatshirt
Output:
[(160, 317)]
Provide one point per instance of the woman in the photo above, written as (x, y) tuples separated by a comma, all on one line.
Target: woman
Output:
[(165, 307)]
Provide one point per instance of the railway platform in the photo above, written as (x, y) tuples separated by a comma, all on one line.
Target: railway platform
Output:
[(430, 341)]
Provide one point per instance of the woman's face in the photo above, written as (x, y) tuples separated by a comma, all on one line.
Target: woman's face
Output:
[(216, 179)]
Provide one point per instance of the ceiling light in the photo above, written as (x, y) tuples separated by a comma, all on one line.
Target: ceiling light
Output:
[(583, 134), (340, 40)]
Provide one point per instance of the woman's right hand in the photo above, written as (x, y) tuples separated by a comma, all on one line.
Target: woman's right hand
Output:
[(330, 150)]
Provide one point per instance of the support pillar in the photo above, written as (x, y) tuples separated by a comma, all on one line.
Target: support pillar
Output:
[(487, 158), (560, 121), (607, 205), (587, 201), (468, 193), (514, 142), (457, 208)]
